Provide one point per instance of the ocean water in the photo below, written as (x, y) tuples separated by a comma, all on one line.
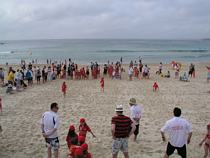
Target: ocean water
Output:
[(83, 51)]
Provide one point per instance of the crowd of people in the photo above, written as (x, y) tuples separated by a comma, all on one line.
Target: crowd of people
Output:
[(122, 127), (178, 129)]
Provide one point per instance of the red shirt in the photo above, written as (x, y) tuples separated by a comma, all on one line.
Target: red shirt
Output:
[(83, 130), (102, 83), (155, 85), (64, 88)]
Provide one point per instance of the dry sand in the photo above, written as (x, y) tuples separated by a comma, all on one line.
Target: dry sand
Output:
[(20, 120)]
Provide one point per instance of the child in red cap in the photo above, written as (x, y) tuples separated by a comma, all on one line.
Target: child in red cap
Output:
[(72, 137), (207, 142), (63, 88), (84, 128), (0, 105), (155, 86), (102, 84), (85, 151), (78, 153)]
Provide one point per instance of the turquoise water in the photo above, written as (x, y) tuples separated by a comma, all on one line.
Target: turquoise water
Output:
[(101, 50)]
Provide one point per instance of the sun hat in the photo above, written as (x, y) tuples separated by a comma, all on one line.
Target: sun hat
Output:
[(78, 152), (82, 120), (132, 101), (81, 139), (119, 108), (84, 147), (72, 128)]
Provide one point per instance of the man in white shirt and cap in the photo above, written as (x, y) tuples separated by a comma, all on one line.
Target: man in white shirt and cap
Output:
[(135, 115), (180, 133)]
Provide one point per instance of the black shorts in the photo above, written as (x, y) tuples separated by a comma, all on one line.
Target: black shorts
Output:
[(136, 132), (181, 151)]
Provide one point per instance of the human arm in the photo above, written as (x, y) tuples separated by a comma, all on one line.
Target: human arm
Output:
[(189, 138), (133, 128), (113, 131), (163, 136), (201, 143), (93, 134)]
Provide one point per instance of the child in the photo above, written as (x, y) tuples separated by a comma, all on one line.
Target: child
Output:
[(207, 142), (102, 84), (64, 87), (72, 137), (0, 105), (84, 128), (85, 151), (155, 86)]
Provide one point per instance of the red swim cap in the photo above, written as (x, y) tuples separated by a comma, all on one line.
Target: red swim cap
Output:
[(82, 120), (84, 147), (78, 152), (72, 128)]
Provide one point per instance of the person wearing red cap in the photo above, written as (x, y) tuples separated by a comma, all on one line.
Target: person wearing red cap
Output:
[(78, 153), (84, 128), (155, 86), (72, 137), (64, 88), (207, 142), (85, 151), (102, 84)]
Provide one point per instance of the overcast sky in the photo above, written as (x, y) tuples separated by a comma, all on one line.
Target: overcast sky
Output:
[(144, 19)]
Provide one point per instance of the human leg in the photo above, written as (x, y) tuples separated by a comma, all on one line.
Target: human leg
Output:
[(182, 151)]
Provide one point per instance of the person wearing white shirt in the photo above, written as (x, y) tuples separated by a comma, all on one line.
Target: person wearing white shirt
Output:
[(180, 133), (135, 115), (49, 126), (130, 72)]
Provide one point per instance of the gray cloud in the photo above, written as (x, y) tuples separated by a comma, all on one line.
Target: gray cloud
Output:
[(28, 19)]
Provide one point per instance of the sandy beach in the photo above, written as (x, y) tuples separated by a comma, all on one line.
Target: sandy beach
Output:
[(20, 120)]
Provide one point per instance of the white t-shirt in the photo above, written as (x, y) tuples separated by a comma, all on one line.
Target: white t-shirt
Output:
[(50, 120), (135, 112), (178, 130), (130, 71)]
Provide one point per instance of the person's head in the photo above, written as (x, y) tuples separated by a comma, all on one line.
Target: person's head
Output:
[(82, 121), (119, 110), (208, 127), (78, 153), (64, 82), (84, 148), (54, 107), (177, 112), (81, 140), (132, 101)]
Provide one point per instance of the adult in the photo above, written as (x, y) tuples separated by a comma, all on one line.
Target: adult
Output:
[(130, 73), (135, 115), (180, 133), (122, 129), (2, 75), (49, 126)]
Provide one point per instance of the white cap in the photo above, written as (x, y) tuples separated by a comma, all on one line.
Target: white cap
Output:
[(119, 108)]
